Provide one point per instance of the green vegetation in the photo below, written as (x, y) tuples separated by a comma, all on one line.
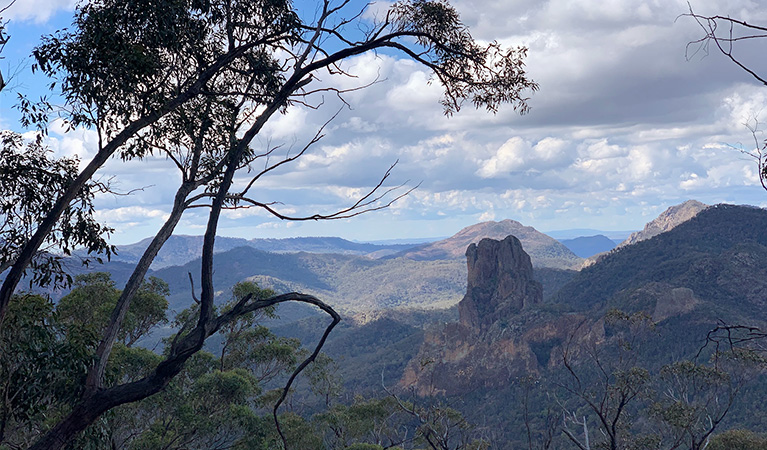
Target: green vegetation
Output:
[(218, 400), (351, 283), (715, 254), (196, 82)]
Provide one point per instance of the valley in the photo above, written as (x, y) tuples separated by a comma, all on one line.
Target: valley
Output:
[(413, 324)]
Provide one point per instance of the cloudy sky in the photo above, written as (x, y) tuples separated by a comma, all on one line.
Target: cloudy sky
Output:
[(625, 124)]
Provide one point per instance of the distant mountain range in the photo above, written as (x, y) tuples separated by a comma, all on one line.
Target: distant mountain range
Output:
[(666, 221), (711, 267), (706, 268), (350, 283), (363, 277), (349, 275), (181, 249), (572, 233), (720, 255), (703, 272)]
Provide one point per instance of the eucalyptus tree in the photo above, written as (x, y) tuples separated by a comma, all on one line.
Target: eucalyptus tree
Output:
[(197, 81), (30, 182)]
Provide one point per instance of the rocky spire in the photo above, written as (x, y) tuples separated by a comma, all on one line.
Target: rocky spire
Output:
[(500, 283)]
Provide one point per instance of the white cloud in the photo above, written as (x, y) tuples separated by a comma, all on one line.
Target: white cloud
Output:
[(415, 95), (516, 154), (622, 127), (129, 214), (486, 216), (38, 11), (510, 156)]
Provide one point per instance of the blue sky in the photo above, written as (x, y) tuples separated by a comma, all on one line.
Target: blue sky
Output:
[(624, 125)]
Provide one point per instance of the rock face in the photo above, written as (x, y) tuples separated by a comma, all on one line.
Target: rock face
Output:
[(668, 219), (485, 348), (500, 283)]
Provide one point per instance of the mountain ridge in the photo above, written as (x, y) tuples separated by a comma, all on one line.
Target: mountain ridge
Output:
[(666, 221), (181, 249), (709, 270)]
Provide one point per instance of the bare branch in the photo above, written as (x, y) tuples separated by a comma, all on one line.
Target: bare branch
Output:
[(710, 25)]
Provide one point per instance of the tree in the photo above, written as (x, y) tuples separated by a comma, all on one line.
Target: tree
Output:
[(3, 39), (30, 182), (605, 382), (738, 440), (725, 33), (41, 364), (196, 81), (94, 296), (695, 399)]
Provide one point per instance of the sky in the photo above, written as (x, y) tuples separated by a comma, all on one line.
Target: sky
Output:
[(627, 122)]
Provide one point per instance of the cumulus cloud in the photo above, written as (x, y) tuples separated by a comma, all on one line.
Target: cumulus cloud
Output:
[(626, 123), (129, 215), (516, 155)]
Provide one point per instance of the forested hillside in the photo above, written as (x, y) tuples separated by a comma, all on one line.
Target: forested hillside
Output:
[(633, 325)]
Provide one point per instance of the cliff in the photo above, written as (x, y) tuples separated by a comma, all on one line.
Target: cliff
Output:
[(666, 221), (499, 283), (487, 347)]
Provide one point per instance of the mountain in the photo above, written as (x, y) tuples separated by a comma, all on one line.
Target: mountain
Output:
[(587, 246), (481, 350), (719, 256), (709, 270), (176, 251), (543, 250), (181, 249), (326, 245), (355, 285), (666, 221), (573, 233)]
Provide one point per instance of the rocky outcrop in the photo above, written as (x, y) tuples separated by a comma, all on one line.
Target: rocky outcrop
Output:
[(674, 302), (668, 220), (486, 347), (500, 283)]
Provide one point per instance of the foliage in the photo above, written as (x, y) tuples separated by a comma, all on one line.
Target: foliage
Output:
[(120, 61), (351, 282), (94, 297), (715, 253), (738, 440), (42, 363), (31, 181), (196, 81), (696, 398), (202, 408), (366, 422)]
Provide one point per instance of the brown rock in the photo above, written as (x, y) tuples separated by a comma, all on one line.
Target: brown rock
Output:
[(500, 283), (486, 348)]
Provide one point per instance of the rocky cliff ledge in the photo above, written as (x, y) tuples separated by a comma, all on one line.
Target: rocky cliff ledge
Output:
[(500, 283)]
